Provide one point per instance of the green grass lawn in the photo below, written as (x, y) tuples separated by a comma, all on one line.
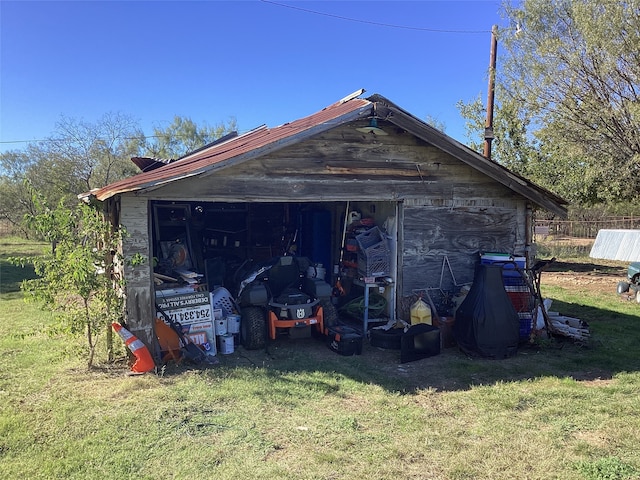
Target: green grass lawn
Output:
[(556, 410)]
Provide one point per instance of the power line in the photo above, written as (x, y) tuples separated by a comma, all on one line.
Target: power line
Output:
[(138, 137), (378, 24)]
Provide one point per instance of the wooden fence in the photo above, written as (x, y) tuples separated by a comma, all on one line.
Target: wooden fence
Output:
[(583, 228)]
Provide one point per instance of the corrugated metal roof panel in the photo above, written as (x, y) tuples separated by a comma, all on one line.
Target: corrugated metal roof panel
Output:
[(622, 245), (255, 140), (147, 163), (209, 159)]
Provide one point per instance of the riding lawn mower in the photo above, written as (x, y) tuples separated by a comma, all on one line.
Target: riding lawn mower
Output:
[(276, 296)]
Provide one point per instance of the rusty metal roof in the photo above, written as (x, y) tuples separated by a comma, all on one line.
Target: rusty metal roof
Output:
[(255, 141), (147, 163), (234, 149)]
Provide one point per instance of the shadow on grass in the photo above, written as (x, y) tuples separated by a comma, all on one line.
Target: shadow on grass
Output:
[(611, 351), (585, 267), (12, 275), (615, 337)]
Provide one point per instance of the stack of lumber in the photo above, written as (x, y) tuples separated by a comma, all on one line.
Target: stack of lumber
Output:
[(569, 327)]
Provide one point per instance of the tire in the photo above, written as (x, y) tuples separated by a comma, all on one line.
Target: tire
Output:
[(253, 328), (638, 296), (623, 287), (330, 313)]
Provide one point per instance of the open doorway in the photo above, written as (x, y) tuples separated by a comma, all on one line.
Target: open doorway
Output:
[(207, 244)]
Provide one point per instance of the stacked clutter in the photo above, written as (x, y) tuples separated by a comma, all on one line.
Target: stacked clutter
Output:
[(227, 321), (366, 250), (225, 339), (516, 286), (192, 314), (373, 253)]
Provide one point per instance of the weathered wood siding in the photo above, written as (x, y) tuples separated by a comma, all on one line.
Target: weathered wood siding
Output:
[(135, 218), (341, 164), (441, 245), (449, 209)]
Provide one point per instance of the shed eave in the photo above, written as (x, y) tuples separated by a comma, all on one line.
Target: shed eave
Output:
[(264, 145), (497, 172)]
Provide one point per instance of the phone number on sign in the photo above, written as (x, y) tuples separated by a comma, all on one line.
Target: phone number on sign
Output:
[(190, 315)]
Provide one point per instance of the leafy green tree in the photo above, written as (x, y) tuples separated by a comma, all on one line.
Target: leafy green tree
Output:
[(512, 147), (435, 122), (78, 278), (80, 156), (577, 77), (182, 137), (14, 200)]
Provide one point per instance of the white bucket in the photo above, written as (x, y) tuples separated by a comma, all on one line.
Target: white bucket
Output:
[(221, 326), (316, 271), (226, 344), (233, 323)]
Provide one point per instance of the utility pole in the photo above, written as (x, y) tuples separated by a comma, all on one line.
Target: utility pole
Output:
[(488, 125)]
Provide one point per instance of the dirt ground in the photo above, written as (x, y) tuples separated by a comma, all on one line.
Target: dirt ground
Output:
[(601, 276)]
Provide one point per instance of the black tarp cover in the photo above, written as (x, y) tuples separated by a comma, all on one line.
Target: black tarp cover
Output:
[(487, 323)]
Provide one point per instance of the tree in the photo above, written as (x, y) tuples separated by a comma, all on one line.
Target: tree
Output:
[(512, 147), (77, 278), (14, 200), (81, 155), (567, 111), (181, 137), (99, 152), (578, 79), (435, 122)]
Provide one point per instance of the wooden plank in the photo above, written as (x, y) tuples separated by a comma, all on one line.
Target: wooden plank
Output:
[(318, 180), (325, 168), (135, 218), (460, 235), (439, 193), (428, 230)]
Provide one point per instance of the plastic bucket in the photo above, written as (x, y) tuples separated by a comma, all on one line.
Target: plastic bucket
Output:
[(316, 271), (221, 326), (226, 344), (233, 323)]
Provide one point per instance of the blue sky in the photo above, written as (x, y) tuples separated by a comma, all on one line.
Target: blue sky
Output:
[(259, 62)]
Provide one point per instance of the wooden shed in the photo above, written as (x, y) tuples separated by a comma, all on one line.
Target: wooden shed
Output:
[(290, 189)]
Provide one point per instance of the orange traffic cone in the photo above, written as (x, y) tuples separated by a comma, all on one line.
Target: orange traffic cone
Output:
[(144, 363)]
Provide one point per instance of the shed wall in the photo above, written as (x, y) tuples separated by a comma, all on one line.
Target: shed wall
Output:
[(441, 245), (135, 219), (450, 212), (342, 164)]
